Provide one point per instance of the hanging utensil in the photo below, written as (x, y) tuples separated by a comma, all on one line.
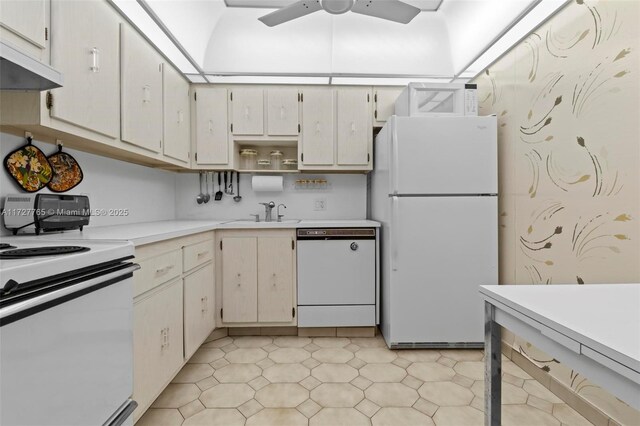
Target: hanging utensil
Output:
[(200, 197), (226, 191), (231, 183), (207, 197), (237, 198), (218, 196)]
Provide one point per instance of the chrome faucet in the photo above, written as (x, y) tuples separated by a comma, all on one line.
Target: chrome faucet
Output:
[(280, 216), (267, 210)]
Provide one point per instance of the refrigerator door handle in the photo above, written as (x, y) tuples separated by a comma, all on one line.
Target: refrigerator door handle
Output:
[(395, 226), (393, 159)]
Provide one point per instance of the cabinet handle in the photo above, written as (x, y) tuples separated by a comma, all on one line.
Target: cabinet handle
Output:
[(146, 94), (95, 60), (275, 280), (353, 127), (203, 253), (180, 117), (282, 112), (318, 127), (210, 126), (239, 279), (168, 338), (246, 112), (164, 270)]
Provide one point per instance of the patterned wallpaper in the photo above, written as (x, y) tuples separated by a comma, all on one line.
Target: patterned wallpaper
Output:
[(568, 103)]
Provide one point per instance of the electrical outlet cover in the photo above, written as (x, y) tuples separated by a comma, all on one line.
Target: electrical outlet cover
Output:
[(320, 204)]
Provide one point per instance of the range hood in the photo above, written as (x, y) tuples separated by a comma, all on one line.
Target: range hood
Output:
[(19, 71)]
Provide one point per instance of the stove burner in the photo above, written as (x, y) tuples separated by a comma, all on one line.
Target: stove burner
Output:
[(4, 246), (41, 251)]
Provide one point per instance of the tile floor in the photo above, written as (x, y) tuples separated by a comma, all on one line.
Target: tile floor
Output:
[(335, 381)]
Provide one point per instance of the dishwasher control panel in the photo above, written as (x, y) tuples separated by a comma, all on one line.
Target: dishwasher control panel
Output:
[(337, 233)]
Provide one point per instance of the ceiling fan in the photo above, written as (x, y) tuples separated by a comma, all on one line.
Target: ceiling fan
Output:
[(392, 10)]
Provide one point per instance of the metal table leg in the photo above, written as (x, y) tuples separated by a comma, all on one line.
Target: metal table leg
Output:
[(492, 367)]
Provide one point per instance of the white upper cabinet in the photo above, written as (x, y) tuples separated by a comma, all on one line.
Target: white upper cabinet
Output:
[(141, 92), (176, 114), (354, 126), (317, 139), (85, 48), (23, 23), (282, 112), (247, 106), (384, 103), (212, 126)]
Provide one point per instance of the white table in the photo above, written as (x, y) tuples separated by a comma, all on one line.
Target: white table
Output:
[(593, 328)]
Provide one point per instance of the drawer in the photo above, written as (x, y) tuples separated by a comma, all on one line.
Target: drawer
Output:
[(157, 270), (197, 254)]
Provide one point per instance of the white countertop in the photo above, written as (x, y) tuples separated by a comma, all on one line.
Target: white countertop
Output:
[(605, 317), (150, 232)]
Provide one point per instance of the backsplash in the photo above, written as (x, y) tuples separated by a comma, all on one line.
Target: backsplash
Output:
[(567, 99), (344, 198), (147, 193)]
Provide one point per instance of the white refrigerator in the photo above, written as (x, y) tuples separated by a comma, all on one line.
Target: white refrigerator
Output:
[(434, 189)]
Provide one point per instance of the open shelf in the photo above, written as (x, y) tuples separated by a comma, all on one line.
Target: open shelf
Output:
[(268, 171)]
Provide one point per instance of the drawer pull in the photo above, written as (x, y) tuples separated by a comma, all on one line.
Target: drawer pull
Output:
[(202, 253), (164, 270)]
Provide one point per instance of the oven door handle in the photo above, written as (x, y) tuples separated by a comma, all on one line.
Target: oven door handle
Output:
[(46, 301), (123, 413)]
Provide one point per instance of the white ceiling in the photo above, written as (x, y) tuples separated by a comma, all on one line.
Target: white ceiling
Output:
[(230, 41)]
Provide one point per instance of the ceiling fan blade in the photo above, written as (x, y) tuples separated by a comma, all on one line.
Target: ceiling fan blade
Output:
[(293, 11), (392, 10)]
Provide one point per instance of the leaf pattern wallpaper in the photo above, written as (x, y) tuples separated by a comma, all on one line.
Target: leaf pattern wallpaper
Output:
[(568, 105)]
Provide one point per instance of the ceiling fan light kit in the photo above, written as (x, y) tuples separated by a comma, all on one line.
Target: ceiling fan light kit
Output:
[(391, 10)]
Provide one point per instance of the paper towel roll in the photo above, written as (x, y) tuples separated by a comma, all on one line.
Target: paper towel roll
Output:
[(267, 183)]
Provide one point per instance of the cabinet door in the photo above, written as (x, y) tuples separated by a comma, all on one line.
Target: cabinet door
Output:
[(23, 24), (282, 112), (384, 99), (239, 279), (157, 343), (176, 139), (199, 306), (141, 94), (212, 126), (354, 126), (317, 144), (275, 279), (85, 48), (248, 111)]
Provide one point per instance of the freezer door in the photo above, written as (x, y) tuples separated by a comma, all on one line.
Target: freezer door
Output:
[(441, 250), (444, 155)]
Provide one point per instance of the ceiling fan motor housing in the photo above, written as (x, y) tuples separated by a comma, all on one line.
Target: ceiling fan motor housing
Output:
[(337, 7)]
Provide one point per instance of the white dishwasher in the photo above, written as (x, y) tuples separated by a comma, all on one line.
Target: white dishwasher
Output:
[(337, 284)]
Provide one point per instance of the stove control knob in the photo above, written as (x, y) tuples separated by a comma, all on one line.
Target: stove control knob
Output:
[(354, 246)]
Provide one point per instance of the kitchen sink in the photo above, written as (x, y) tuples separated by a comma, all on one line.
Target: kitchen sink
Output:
[(252, 223)]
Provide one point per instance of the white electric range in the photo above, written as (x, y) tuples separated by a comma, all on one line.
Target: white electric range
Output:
[(66, 332)]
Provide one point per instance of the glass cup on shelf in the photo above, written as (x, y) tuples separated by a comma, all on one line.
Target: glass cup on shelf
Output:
[(248, 159), (290, 164), (276, 160), (264, 164)]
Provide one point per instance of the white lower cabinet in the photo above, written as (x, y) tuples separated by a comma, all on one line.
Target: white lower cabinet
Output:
[(173, 311), (258, 285), (199, 306), (158, 337)]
